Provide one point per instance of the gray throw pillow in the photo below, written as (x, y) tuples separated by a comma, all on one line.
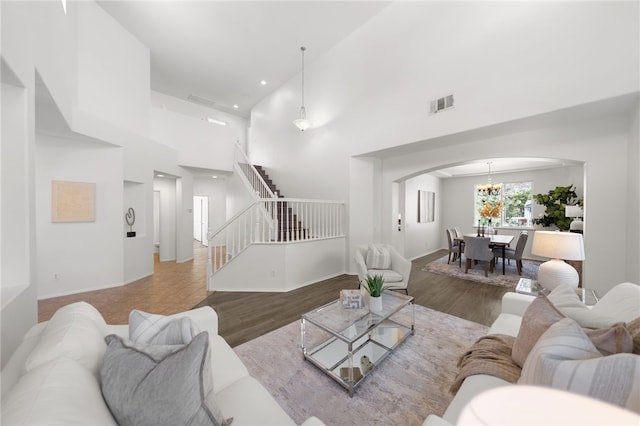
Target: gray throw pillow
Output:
[(160, 329), (160, 384)]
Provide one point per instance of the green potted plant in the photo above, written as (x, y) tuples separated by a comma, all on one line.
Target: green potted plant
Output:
[(375, 286), (555, 202)]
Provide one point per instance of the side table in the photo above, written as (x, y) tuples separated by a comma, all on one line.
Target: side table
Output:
[(528, 286)]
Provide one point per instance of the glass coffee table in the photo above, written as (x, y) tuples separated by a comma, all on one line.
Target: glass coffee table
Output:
[(355, 341)]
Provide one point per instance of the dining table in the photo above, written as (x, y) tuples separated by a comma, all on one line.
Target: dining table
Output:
[(496, 240)]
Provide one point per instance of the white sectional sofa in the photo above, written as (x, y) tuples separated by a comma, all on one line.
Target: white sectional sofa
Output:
[(620, 304), (54, 375)]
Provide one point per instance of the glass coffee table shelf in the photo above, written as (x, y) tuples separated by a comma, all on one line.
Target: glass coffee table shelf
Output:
[(355, 341)]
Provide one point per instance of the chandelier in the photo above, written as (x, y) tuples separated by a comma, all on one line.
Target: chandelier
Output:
[(489, 188), (302, 123)]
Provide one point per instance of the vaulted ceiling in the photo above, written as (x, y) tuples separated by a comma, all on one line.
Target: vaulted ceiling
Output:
[(220, 51)]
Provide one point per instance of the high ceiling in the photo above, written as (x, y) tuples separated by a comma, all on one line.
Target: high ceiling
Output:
[(222, 50)]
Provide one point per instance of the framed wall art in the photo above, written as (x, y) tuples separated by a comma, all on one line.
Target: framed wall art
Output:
[(73, 201), (426, 206)]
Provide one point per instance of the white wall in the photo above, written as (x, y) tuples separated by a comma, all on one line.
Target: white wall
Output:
[(197, 142), (113, 76), (633, 197), (79, 256), (422, 237), (166, 186), (382, 77), (372, 91), (215, 189), (18, 289), (238, 125), (282, 267)]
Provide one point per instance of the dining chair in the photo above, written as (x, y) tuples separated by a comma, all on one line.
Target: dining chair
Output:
[(477, 249), (514, 253), (453, 245)]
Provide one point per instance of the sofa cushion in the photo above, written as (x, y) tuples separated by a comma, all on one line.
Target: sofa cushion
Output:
[(226, 366), (264, 409), (160, 384), (565, 358), (75, 331), (388, 275), (542, 314), (565, 299), (59, 392), (160, 329), (378, 257), (620, 303)]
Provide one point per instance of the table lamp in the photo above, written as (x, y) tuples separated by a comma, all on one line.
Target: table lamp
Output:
[(558, 245), (576, 213)]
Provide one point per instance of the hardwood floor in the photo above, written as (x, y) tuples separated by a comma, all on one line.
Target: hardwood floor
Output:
[(244, 316)]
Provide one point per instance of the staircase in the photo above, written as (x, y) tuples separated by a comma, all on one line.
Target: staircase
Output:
[(270, 219), (289, 226)]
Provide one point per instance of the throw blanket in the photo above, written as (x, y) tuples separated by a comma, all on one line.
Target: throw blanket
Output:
[(490, 355)]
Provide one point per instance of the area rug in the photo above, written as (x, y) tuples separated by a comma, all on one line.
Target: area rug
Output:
[(411, 383), (476, 273)]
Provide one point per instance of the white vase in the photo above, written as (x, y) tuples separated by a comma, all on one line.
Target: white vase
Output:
[(375, 303)]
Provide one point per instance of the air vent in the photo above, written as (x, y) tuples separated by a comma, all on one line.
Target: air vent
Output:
[(441, 104), (199, 100)]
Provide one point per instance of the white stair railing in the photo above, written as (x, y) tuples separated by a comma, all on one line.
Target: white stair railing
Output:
[(256, 184), (287, 220)]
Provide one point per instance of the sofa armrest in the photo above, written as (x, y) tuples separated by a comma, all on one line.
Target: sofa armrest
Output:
[(205, 318), (400, 265), (433, 420), (516, 303), (312, 421)]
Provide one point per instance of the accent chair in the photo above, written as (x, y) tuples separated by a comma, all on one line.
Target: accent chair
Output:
[(383, 259)]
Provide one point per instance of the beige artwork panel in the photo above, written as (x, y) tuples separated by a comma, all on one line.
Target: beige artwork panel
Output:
[(73, 201)]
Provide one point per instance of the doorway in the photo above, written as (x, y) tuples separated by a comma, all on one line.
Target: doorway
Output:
[(200, 219)]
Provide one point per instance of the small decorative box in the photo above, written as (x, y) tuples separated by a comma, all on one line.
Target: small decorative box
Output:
[(352, 299)]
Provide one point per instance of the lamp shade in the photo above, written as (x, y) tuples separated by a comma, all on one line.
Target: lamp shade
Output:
[(573, 211), (558, 245)]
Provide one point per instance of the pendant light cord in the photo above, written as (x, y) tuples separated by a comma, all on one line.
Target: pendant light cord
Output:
[(302, 48)]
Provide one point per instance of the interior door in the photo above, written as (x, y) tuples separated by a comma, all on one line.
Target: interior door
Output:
[(200, 218)]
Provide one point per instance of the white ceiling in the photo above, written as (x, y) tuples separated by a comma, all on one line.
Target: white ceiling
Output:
[(221, 50)]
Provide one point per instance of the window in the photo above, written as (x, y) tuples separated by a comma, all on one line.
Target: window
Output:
[(516, 205)]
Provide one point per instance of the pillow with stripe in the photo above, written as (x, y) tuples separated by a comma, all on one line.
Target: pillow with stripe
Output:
[(160, 329), (565, 358), (378, 258), (542, 314)]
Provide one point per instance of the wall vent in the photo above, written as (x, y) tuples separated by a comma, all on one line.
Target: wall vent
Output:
[(441, 104), (199, 100)]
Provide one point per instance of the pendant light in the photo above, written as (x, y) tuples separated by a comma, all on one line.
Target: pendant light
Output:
[(489, 188), (302, 123)]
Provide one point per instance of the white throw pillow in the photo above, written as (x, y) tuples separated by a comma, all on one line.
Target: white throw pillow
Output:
[(565, 299), (75, 331), (565, 358), (160, 329), (60, 392), (378, 258)]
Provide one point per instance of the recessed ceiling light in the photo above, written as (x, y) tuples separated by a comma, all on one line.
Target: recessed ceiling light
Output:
[(236, 106), (214, 176), (218, 122), (159, 175), (263, 82)]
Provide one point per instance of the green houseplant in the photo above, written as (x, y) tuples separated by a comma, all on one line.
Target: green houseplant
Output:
[(555, 202), (375, 286)]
